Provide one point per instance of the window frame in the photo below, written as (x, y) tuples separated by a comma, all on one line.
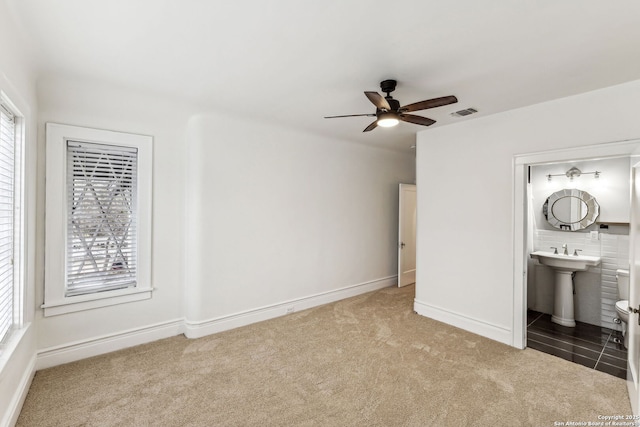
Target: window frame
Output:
[(19, 245), (55, 300)]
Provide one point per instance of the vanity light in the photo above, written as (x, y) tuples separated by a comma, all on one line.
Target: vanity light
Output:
[(573, 173)]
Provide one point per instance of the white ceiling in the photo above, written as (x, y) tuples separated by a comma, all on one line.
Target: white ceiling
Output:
[(295, 61)]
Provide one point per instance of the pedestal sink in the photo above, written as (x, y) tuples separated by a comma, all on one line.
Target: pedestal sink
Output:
[(564, 266)]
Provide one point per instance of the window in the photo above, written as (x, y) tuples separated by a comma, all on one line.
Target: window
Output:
[(98, 227), (101, 213), (11, 142)]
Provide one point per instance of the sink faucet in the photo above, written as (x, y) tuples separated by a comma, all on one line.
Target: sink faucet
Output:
[(565, 251)]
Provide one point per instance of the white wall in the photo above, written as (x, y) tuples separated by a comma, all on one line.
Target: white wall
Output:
[(90, 104), (276, 217), (17, 81), (247, 216), (466, 197)]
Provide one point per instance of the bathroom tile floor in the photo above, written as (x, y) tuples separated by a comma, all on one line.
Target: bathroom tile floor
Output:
[(589, 345)]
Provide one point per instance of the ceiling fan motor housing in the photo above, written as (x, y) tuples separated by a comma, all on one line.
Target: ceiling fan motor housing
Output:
[(393, 103)]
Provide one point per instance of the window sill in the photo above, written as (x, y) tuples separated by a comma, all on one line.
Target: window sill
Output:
[(97, 300)]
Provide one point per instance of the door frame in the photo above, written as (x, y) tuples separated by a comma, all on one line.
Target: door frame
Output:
[(521, 240), (633, 328)]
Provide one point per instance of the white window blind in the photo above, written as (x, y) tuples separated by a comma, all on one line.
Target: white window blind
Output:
[(7, 212), (101, 226)]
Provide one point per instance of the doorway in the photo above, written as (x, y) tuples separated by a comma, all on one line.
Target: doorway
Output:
[(406, 235), (523, 241)]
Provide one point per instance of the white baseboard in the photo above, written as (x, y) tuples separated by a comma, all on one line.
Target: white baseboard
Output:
[(71, 352), (480, 327), (197, 329), (11, 417)]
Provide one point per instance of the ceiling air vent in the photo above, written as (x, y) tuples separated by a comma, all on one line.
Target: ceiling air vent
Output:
[(465, 112)]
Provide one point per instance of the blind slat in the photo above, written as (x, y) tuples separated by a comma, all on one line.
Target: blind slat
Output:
[(101, 231), (7, 212)]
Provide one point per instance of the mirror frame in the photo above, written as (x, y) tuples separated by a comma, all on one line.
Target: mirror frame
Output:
[(593, 209)]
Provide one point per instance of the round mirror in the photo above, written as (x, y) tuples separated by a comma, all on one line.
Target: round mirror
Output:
[(571, 209)]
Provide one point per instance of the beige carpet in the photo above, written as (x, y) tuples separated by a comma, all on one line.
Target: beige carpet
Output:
[(364, 361)]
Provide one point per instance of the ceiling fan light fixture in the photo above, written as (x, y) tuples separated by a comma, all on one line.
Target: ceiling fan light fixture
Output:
[(387, 120)]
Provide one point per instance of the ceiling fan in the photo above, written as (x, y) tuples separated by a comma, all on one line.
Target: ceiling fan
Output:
[(390, 113)]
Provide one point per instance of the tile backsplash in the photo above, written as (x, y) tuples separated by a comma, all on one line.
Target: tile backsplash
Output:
[(614, 250)]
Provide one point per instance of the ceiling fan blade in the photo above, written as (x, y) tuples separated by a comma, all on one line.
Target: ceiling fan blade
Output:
[(371, 127), (350, 115), (378, 100), (429, 103), (410, 118)]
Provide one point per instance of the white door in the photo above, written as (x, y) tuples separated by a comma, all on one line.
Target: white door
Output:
[(407, 235), (633, 372)]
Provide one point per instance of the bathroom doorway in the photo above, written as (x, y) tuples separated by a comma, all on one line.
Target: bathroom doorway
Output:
[(529, 233)]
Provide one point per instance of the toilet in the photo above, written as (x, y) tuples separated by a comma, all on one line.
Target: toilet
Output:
[(622, 306)]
